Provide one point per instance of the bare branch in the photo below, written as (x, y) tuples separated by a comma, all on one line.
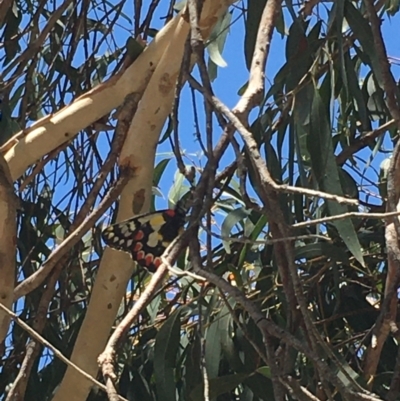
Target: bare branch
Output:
[(40, 275), (389, 304), (106, 359), (328, 219), (56, 352)]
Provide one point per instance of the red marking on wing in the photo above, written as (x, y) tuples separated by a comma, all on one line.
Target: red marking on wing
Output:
[(140, 255), (157, 262), (138, 246), (139, 235), (170, 212)]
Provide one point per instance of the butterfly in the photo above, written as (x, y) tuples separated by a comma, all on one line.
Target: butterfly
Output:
[(146, 236)]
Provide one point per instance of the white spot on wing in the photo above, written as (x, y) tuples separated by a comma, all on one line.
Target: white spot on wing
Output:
[(124, 229)]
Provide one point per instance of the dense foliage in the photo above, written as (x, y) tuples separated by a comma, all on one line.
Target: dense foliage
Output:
[(323, 124)]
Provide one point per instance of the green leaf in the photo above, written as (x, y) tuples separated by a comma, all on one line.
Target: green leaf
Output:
[(153, 308), (339, 9), (392, 7), (167, 133), (230, 221), (260, 225), (159, 170), (178, 189), (348, 183), (134, 48), (273, 163), (376, 102), (213, 348), (10, 38), (383, 176), (326, 171), (192, 366), (318, 249), (265, 371), (261, 385), (216, 45), (165, 352), (180, 5), (363, 33), (356, 93), (255, 9), (8, 124)]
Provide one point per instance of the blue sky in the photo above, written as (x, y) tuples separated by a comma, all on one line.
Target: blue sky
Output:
[(229, 81), (231, 78)]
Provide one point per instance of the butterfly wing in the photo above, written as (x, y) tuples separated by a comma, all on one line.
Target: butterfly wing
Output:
[(146, 236)]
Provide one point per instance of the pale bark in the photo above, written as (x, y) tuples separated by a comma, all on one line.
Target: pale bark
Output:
[(138, 153), (27, 146), (8, 241)]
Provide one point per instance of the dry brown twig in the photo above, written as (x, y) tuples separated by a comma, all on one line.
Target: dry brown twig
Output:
[(266, 326), (106, 360), (392, 235), (268, 193), (82, 223), (37, 278), (251, 98), (5, 5), (297, 391), (364, 140), (383, 216), (237, 123), (54, 268), (55, 263), (197, 45), (56, 352)]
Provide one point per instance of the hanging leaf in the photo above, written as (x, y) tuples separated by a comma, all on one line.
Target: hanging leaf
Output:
[(165, 354)]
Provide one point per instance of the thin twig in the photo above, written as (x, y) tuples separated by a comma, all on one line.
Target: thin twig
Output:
[(392, 235), (107, 357), (37, 278), (244, 131), (270, 241), (203, 344), (184, 70), (56, 352), (266, 326), (197, 45), (181, 273), (255, 346), (395, 382), (82, 225), (383, 216), (297, 391), (364, 140)]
